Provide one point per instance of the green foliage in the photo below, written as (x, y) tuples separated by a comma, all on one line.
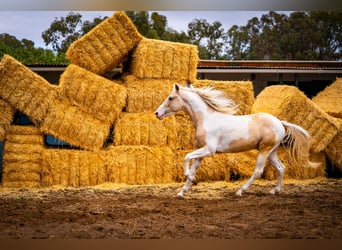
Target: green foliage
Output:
[(315, 35)]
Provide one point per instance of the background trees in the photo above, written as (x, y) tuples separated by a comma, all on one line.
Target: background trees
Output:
[(315, 35)]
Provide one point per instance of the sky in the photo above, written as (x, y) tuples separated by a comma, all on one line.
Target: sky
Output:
[(31, 24)]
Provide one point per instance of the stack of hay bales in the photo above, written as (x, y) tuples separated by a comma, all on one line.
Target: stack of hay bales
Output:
[(87, 106), (22, 157), (330, 100), (290, 104)]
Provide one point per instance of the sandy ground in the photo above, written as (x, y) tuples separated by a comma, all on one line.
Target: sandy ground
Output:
[(305, 209)]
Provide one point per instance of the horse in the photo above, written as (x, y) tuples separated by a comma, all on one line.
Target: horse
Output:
[(219, 130)]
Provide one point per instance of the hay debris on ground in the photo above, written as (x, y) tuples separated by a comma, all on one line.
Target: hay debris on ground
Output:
[(241, 92), (6, 117), (145, 95), (105, 46), (290, 104), (145, 129), (330, 99), (99, 97), (74, 168), (70, 124), (25, 90), (164, 60), (139, 164), (22, 157)]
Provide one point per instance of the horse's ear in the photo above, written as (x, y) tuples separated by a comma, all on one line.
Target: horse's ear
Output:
[(176, 87)]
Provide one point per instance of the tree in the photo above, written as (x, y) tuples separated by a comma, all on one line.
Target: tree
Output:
[(63, 32), (208, 37), (300, 36), (24, 50)]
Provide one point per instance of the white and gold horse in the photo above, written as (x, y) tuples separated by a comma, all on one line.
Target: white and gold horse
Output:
[(218, 130)]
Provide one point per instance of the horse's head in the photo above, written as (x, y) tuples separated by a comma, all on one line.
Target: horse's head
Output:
[(171, 105)]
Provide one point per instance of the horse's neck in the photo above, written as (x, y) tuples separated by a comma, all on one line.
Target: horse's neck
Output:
[(196, 108)]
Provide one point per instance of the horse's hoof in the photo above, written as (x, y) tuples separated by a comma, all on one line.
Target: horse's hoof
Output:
[(180, 196), (274, 191), (238, 193), (194, 182)]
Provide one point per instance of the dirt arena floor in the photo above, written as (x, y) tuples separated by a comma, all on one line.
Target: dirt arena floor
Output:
[(305, 209)]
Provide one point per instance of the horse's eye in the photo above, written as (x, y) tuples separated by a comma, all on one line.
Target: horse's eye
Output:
[(170, 98)]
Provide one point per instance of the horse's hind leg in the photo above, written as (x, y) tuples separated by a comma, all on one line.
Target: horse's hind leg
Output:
[(259, 168), (278, 165)]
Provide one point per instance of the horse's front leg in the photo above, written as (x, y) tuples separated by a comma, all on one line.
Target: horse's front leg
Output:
[(197, 155)]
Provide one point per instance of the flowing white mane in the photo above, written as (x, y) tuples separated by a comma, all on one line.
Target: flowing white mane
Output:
[(216, 100)]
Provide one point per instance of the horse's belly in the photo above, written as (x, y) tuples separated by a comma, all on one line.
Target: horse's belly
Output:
[(237, 146)]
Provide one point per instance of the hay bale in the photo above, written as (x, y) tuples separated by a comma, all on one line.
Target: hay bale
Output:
[(22, 157), (139, 164), (72, 125), (145, 95), (25, 90), (145, 129), (294, 171), (6, 117), (72, 168), (241, 92), (104, 47), (164, 60), (99, 97), (185, 138), (290, 104), (334, 148), (330, 99)]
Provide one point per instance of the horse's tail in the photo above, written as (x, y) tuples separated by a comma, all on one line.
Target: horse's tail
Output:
[(299, 142)]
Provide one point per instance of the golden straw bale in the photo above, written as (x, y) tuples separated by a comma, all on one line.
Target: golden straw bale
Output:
[(24, 130), (22, 156), (145, 129), (72, 125), (145, 95), (69, 167), (164, 60), (185, 138), (104, 47), (330, 99), (25, 90), (6, 117), (139, 164), (294, 171), (334, 149), (241, 92), (290, 104), (99, 97), (21, 184)]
